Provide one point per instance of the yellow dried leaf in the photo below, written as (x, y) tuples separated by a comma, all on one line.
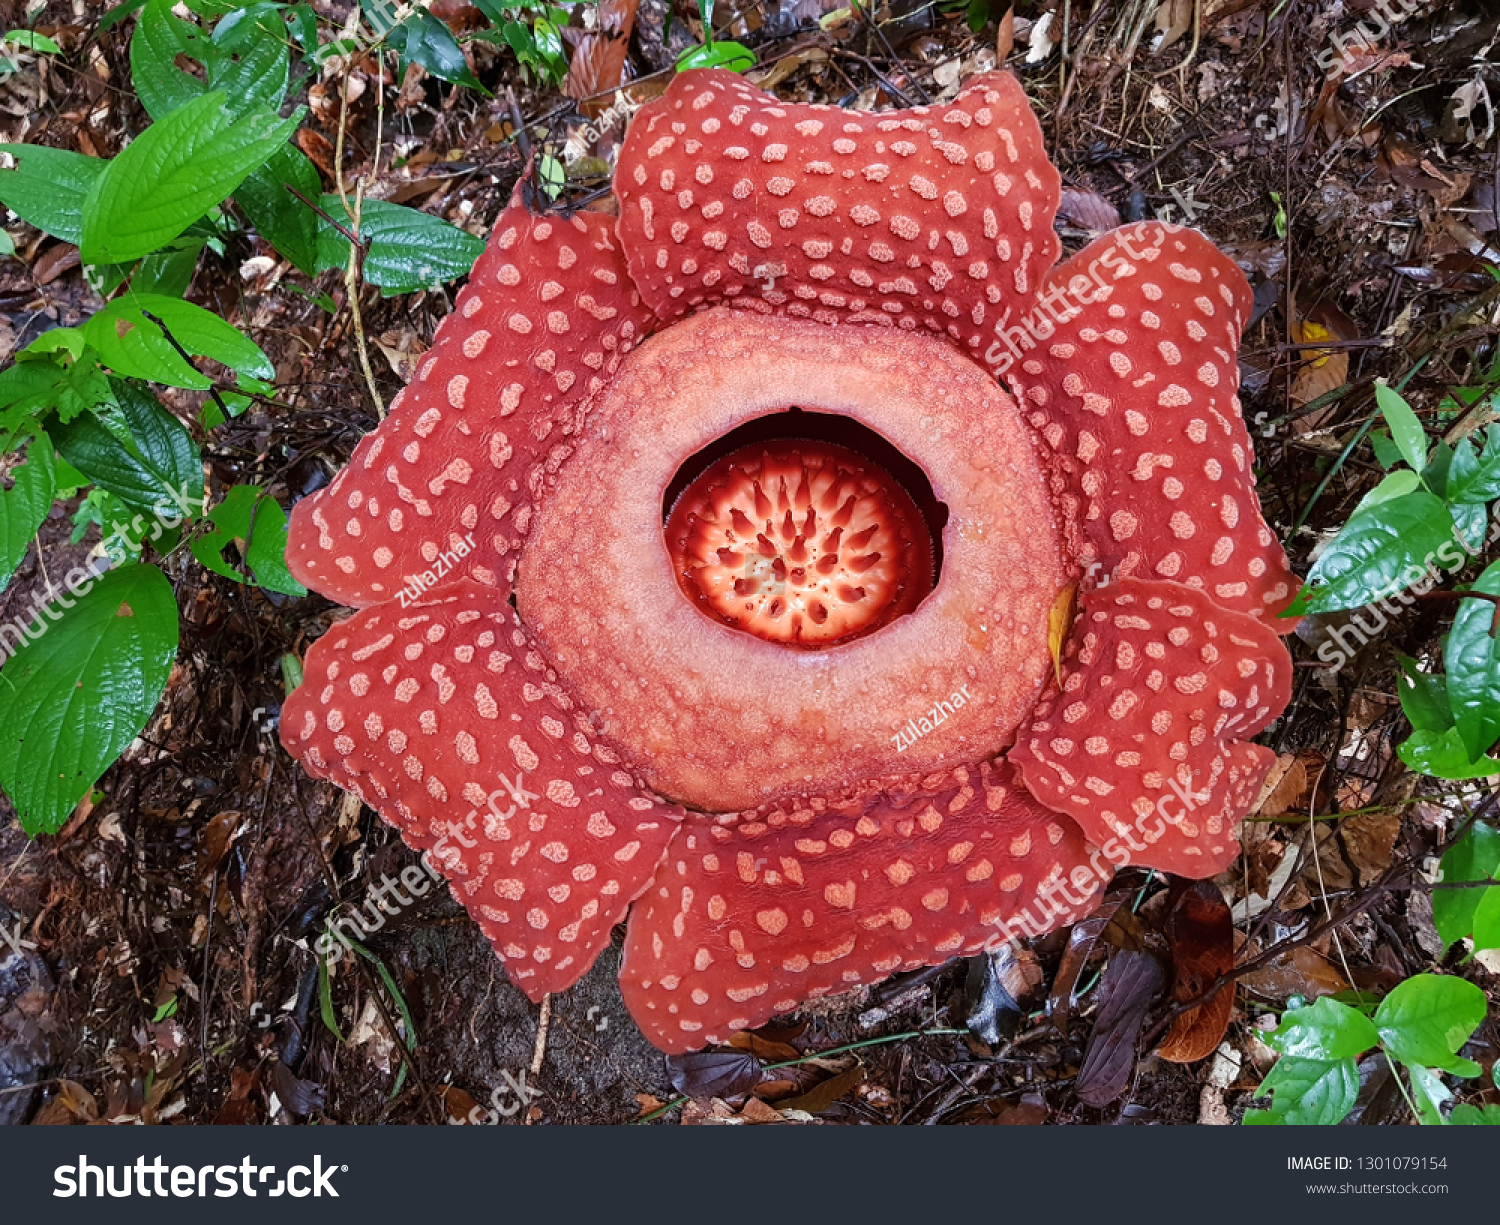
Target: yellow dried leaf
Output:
[(1059, 622)]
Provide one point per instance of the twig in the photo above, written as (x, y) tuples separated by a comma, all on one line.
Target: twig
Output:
[(354, 271), (213, 389), (539, 1049), (890, 51), (361, 243), (1464, 595)]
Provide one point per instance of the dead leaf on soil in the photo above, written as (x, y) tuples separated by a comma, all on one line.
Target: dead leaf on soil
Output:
[(710, 1074), (1369, 840), (821, 1096), (1131, 981), (1087, 210), (1303, 971), (1030, 1111), (1201, 932), (1322, 371)]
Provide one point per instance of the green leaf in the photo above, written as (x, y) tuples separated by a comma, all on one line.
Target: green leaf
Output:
[(1427, 1018), (32, 41), (278, 216), (425, 40), (82, 690), (1379, 552), (131, 344), (1429, 1094), (1487, 921), (114, 16), (1424, 697), (325, 1000), (1471, 1116), (37, 387), (1474, 478), (408, 250), (1474, 857), (731, 55), (1442, 754), (1387, 454), (249, 60), (172, 174), (159, 38), (169, 271), (267, 553), (1394, 485), (48, 188), (1324, 1030), (25, 505), (1470, 523), (1439, 463), (248, 513), (158, 469), (1471, 658), (211, 417), (304, 25), (1406, 430), (1308, 1091)]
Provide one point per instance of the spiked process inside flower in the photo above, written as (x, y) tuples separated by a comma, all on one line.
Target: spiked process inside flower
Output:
[(800, 542), (784, 557)]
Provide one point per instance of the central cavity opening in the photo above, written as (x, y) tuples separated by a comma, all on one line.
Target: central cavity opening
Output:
[(805, 529)]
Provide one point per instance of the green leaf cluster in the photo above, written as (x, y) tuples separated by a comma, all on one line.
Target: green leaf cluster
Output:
[(1420, 1026)]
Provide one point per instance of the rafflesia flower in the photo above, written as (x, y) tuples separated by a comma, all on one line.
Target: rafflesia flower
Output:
[(706, 572)]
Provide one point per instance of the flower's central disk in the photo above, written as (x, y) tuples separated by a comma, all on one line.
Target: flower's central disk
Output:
[(800, 542)]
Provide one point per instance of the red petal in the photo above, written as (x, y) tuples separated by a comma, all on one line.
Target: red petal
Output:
[(749, 919), (471, 442), (447, 720), (938, 217), (1142, 747), (1135, 396)]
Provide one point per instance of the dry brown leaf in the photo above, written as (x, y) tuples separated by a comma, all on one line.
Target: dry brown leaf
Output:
[(460, 1106), (1284, 786), (1369, 839), (764, 1049), (1202, 937), (53, 262), (318, 148), (597, 67), (1005, 39), (1303, 971), (1174, 18), (1088, 210), (822, 1096), (787, 64), (1030, 1111), (1322, 371)]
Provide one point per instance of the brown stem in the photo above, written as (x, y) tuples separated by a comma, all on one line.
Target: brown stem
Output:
[(213, 389)]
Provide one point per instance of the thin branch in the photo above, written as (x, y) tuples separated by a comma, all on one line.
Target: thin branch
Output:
[(213, 389)]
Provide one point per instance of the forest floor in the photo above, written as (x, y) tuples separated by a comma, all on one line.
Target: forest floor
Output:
[(166, 972)]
